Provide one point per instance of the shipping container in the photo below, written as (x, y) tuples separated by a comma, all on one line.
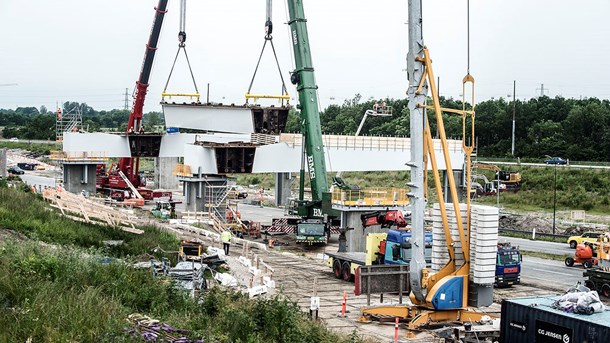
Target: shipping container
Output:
[(533, 319)]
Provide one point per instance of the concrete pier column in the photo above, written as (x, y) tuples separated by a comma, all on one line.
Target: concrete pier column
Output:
[(79, 176), (207, 193), (3, 165), (356, 238), (164, 178), (283, 183), (458, 176)]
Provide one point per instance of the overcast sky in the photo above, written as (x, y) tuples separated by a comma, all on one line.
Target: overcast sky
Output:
[(90, 51)]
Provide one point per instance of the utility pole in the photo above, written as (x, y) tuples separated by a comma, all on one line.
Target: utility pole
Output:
[(512, 149), (415, 72), (126, 99), (554, 197)]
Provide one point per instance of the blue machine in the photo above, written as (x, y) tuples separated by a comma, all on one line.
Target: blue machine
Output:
[(508, 265), (398, 247)]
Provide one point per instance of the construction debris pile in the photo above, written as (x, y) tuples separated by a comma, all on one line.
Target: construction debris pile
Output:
[(189, 275), (152, 330), (580, 300)]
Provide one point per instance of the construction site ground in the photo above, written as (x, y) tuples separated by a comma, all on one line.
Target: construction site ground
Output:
[(296, 268)]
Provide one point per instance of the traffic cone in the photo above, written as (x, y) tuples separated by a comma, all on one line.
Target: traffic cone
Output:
[(396, 331), (343, 303)]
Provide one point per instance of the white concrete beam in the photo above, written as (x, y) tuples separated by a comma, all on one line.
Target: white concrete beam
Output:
[(210, 118)]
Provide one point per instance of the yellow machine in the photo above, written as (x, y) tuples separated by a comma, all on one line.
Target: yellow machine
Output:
[(440, 296), (190, 250), (510, 179)]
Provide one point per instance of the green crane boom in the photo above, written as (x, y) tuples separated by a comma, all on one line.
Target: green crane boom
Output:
[(303, 78)]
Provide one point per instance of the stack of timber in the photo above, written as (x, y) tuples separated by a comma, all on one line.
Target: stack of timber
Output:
[(79, 208), (210, 218)]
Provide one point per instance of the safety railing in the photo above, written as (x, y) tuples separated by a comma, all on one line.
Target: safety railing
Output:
[(371, 197), (366, 142)]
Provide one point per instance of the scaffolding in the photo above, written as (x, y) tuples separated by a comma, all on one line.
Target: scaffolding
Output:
[(68, 121)]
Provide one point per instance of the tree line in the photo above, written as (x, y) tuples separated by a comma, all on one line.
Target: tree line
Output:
[(576, 129), (39, 123)]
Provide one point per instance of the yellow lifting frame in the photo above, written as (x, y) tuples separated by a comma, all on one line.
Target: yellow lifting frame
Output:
[(284, 96), (186, 95)]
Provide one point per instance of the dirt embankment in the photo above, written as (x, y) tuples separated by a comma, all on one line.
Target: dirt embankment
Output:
[(544, 224)]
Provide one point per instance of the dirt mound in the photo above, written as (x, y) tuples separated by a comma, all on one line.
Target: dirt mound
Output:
[(528, 223)]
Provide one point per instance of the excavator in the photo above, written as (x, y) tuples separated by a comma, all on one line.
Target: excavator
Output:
[(509, 180)]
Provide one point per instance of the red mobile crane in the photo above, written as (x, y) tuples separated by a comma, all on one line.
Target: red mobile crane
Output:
[(112, 181)]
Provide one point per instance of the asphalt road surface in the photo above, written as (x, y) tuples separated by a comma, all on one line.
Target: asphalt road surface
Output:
[(550, 273), (539, 246), (263, 215), (582, 166), (35, 180)]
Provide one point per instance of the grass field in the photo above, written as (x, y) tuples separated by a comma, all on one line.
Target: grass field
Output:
[(57, 285)]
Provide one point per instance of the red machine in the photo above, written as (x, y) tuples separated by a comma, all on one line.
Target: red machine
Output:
[(111, 181), (585, 254), (384, 218)]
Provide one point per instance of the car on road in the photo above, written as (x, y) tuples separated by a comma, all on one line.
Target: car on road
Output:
[(590, 237), (14, 139), (15, 170), (556, 160)]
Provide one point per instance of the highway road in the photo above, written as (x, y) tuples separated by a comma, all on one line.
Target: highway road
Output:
[(539, 246), (549, 273), (35, 180), (582, 166)]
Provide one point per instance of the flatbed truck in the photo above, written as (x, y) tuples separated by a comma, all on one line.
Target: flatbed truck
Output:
[(393, 247)]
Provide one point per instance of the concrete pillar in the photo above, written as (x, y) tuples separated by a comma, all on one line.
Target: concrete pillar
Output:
[(283, 183), (204, 194), (458, 176), (164, 178), (79, 177), (356, 239), (192, 196), (3, 165)]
